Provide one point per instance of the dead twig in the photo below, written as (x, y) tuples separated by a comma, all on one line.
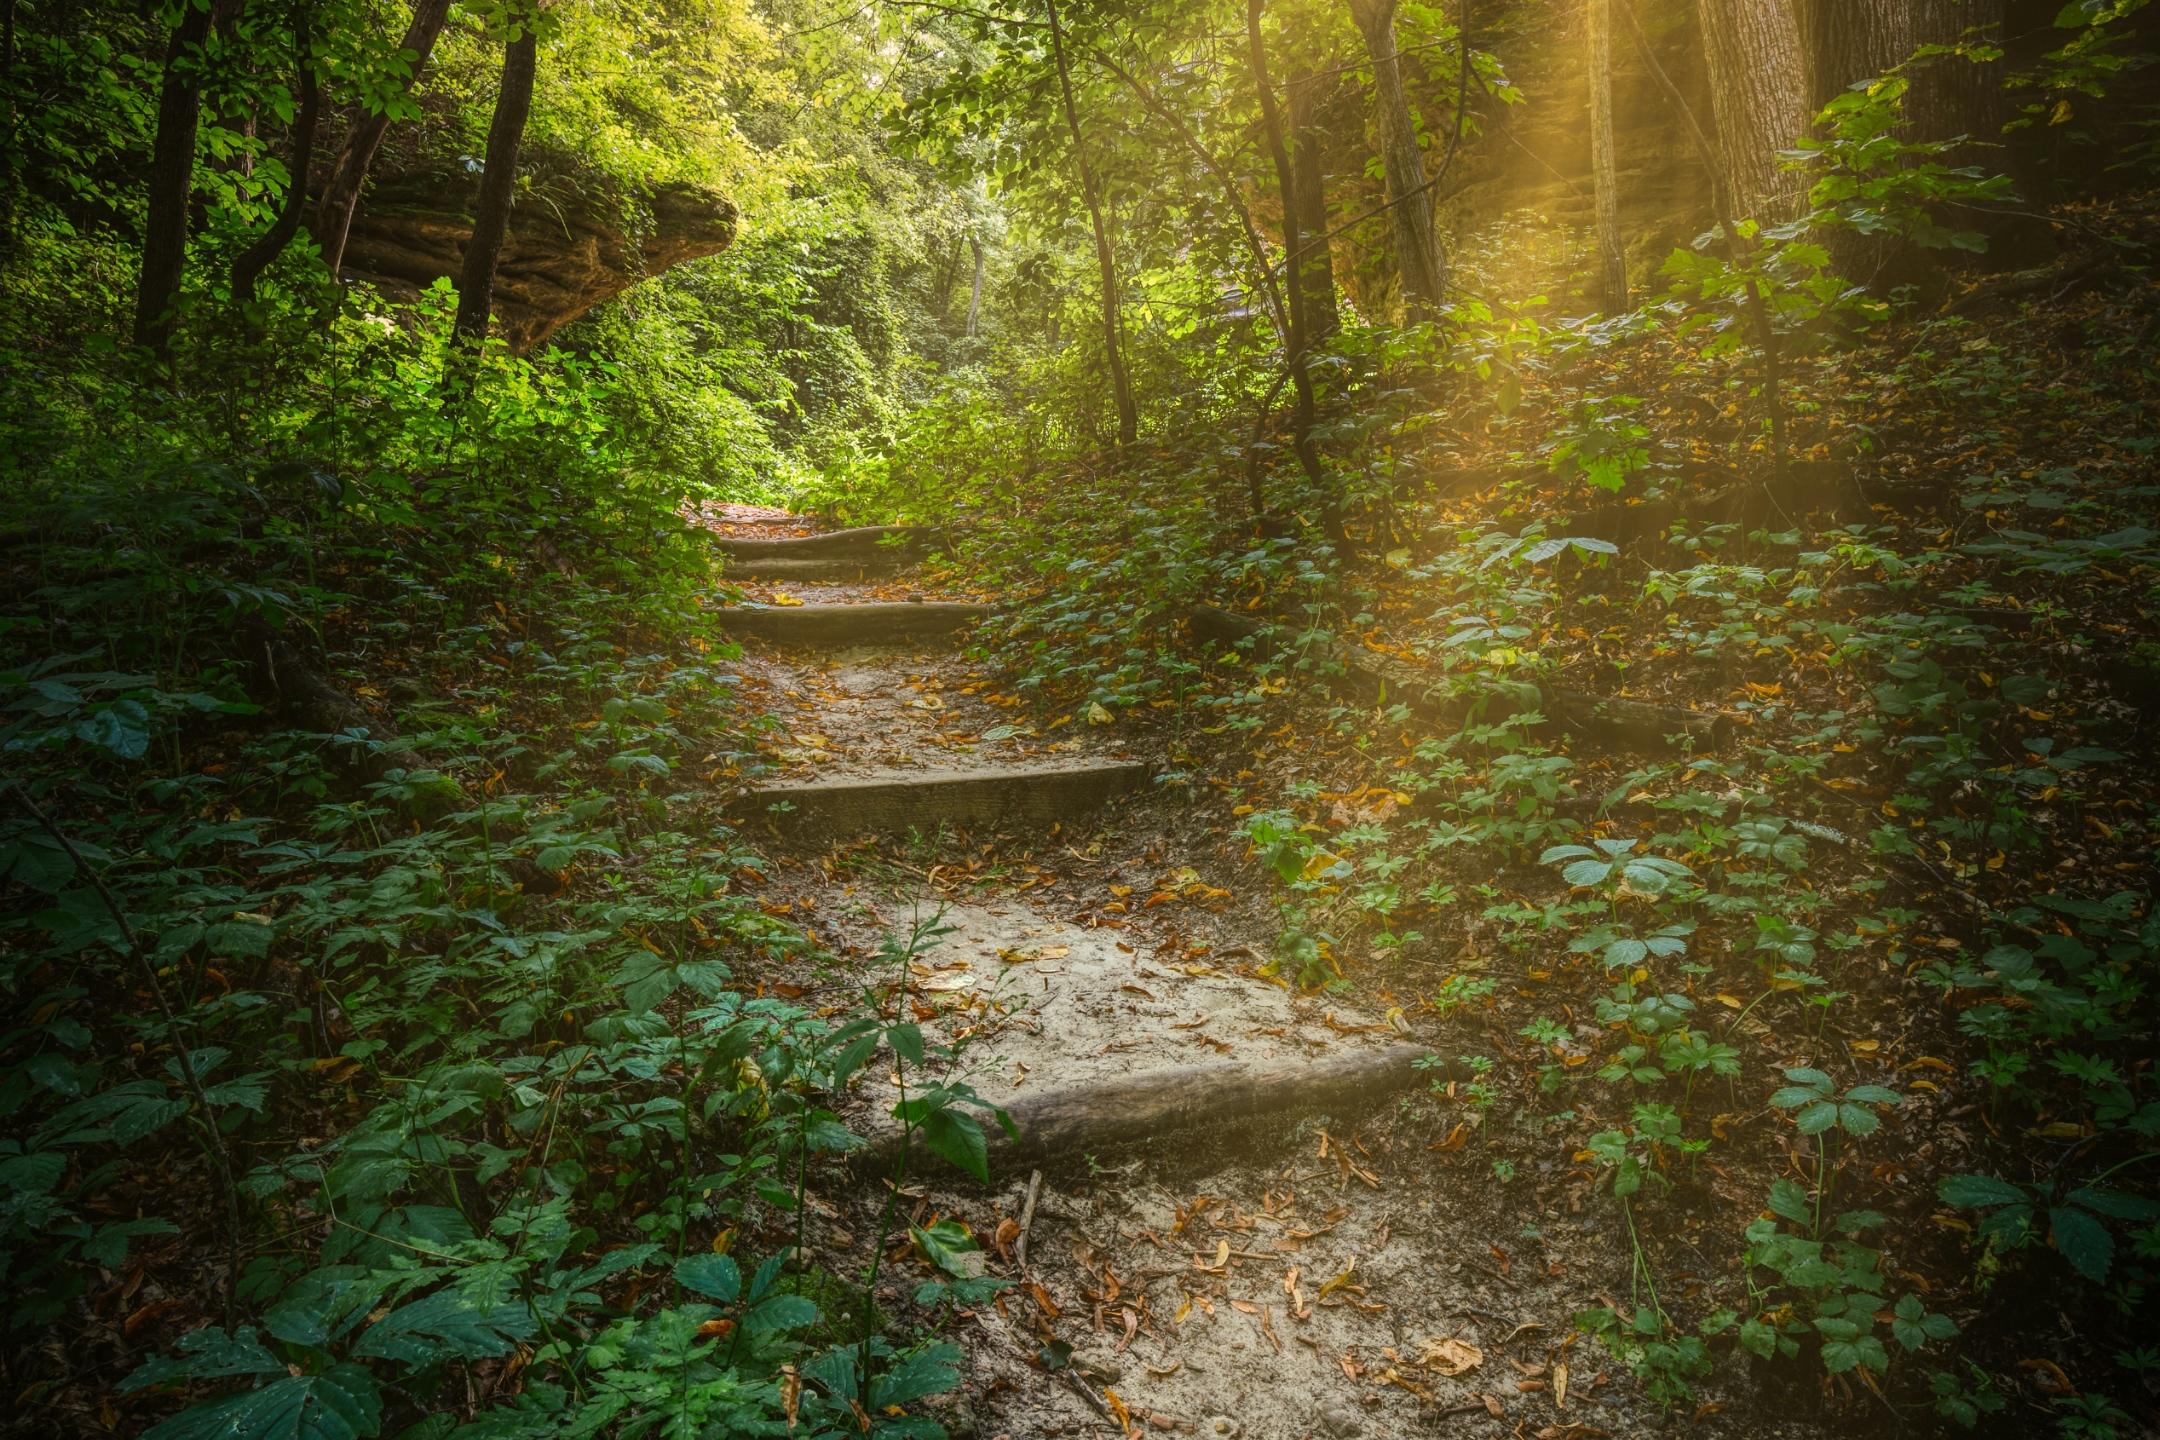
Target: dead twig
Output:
[(1027, 1218)]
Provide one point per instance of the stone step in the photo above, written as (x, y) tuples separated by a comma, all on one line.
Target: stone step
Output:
[(864, 542), (1029, 795), (810, 569), (835, 627)]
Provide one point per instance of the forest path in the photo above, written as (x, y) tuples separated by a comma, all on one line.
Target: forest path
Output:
[(1292, 1275)]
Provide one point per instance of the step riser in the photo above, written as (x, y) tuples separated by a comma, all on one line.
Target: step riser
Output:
[(838, 567), (864, 543), (990, 799), (833, 627)]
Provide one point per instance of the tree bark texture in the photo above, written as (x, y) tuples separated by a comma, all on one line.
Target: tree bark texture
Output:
[(1758, 96), (1316, 264), (348, 173), (1737, 244), (1106, 261), (1293, 273), (172, 184), (498, 185), (251, 262), (1419, 259), (1604, 171), (1847, 41)]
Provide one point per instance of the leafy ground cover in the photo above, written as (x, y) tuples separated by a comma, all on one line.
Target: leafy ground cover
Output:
[(1713, 727)]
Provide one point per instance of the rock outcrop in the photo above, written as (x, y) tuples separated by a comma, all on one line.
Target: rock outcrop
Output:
[(563, 255)]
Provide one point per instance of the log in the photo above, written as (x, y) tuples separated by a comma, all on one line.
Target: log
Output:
[(1123, 1113), (1365, 678), (863, 542), (1032, 795), (871, 623)]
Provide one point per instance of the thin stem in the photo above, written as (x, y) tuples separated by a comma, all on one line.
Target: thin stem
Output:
[(215, 1142)]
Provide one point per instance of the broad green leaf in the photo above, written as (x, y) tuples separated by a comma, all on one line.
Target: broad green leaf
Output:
[(342, 1403), (2083, 1241), (1974, 1192), (715, 1276)]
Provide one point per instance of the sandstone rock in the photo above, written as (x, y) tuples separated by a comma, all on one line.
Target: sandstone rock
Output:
[(562, 256)]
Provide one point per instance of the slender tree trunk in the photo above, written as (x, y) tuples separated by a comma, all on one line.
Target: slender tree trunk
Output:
[(1233, 192), (172, 183), (1293, 273), (1419, 259), (498, 185), (974, 312), (1113, 329), (1758, 96), (1316, 270), (251, 262), (348, 173), (1604, 171)]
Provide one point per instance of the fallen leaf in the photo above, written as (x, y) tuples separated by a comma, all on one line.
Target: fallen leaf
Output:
[(1450, 1356)]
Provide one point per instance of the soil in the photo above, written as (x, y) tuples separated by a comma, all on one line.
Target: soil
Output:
[(1327, 1276)]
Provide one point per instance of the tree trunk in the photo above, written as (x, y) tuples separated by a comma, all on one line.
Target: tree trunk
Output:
[(1316, 266), (172, 184), (251, 262), (1604, 173), (1758, 97), (1293, 273), (498, 185), (1233, 192), (974, 312), (1737, 245), (1419, 259), (1113, 330), (1847, 41), (341, 192)]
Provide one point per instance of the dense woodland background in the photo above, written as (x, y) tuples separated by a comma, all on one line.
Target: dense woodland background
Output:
[(1726, 428)]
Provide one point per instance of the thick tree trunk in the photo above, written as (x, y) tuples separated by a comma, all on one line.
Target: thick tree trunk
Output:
[(1419, 259), (498, 185), (341, 192), (1847, 41), (1758, 97), (1739, 248), (172, 183), (251, 262), (1612, 282), (1106, 261), (1316, 267), (1294, 359)]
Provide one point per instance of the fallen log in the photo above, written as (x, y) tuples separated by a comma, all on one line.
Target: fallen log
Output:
[(1366, 678), (1120, 1113)]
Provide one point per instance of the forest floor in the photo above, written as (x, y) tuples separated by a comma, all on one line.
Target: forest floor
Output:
[(1301, 1274)]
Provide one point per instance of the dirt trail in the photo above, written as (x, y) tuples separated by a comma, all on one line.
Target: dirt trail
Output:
[(1298, 1277)]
